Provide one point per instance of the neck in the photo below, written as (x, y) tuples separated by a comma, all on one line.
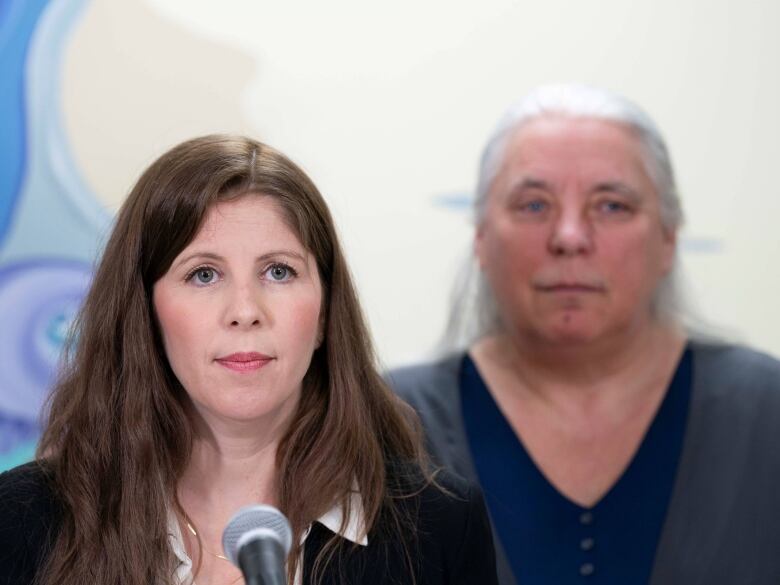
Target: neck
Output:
[(231, 465), (583, 371), (231, 468)]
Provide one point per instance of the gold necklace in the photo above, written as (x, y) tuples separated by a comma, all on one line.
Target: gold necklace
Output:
[(203, 546), (194, 532)]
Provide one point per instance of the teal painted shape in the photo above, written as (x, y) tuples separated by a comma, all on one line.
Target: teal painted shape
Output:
[(21, 454)]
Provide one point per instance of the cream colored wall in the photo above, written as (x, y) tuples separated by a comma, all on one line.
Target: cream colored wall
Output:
[(387, 106)]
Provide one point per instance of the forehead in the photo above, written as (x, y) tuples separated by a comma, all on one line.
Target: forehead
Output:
[(252, 216), (559, 147)]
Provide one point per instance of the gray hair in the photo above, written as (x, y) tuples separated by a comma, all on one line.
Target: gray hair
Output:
[(582, 101), (474, 312)]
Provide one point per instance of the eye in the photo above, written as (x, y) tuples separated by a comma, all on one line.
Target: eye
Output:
[(529, 206), (280, 272), (535, 206), (613, 207), (202, 276)]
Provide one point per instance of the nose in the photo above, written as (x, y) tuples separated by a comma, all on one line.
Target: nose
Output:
[(572, 234), (245, 308)]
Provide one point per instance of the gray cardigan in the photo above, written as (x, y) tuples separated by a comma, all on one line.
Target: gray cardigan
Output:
[(723, 521)]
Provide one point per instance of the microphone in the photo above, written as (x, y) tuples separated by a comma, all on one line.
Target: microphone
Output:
[(257, 540)]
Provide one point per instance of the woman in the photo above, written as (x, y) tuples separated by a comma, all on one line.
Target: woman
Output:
[(221, 359), (611, 444)]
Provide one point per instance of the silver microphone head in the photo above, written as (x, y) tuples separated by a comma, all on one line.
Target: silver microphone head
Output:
[(256, 521)]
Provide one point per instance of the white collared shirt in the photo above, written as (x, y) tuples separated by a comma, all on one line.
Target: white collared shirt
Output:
[(331, 519)]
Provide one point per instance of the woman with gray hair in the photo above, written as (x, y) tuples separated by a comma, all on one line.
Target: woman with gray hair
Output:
[(613, 445)]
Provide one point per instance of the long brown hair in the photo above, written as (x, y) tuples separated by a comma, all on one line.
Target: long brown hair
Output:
[(118, 438)]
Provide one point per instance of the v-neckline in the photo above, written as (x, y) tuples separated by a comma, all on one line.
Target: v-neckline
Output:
[(661, 415)]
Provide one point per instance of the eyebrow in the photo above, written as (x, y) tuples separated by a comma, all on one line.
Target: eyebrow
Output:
[(529, 183), (619, 188), (609, 186), (218, 258)]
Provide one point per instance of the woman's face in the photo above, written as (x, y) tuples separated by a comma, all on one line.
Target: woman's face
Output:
[(239, 313), (572, 240)]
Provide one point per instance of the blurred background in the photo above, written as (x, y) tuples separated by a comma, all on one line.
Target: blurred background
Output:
[(386, 106)]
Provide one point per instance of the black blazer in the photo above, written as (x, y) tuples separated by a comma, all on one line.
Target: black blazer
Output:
[(449, 539)]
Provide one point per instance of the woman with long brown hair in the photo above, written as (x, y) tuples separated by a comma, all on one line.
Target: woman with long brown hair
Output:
[(220, 359)]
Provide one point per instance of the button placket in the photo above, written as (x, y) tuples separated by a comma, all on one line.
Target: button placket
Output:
[(587, 543), (586, 518), (587, 569)]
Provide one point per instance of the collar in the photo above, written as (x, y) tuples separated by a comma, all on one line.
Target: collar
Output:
[(354, 531), (183, 572)]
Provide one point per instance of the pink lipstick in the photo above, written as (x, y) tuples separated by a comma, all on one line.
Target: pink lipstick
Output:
[(244, 361)]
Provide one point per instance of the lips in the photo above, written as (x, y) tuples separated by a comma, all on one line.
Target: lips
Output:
[(567, 287), (244, 361)]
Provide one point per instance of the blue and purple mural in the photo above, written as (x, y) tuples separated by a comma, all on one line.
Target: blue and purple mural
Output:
[(50, 223)]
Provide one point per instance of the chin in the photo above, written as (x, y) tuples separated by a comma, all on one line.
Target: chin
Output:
[(245, 411), (571, 330), (569, 338)]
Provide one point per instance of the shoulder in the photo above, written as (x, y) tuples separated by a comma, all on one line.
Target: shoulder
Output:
[(452, 530), (736, 372), (29, 513), (25, 491), (450, 504), (735, 405), (728, 473), (433, 391), (428, 381), (737, 359), (436, 533)]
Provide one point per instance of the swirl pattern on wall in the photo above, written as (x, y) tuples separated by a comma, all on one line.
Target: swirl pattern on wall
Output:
[(44, 253)]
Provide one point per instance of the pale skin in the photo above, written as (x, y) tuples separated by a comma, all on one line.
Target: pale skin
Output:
[(573, 246), (239, 312), (227, 471)]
